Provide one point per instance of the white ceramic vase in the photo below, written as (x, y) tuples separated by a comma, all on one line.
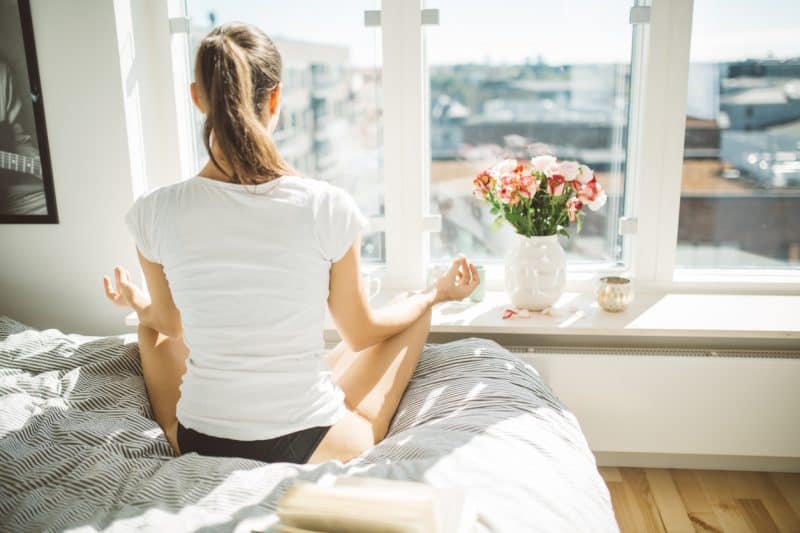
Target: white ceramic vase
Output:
[(536, 272)]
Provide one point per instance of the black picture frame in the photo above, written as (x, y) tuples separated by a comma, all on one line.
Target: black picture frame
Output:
[(35, 99)]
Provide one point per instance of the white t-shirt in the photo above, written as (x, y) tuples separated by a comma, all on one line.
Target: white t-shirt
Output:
[(248, 267)]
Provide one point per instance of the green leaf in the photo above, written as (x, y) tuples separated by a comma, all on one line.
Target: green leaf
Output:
[(497, 223)]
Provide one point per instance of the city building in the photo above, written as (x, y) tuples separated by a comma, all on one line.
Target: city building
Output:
[(741, 151)]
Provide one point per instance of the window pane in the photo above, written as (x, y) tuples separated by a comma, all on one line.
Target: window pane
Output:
[(330, 122), (521, 78), (740, 194)]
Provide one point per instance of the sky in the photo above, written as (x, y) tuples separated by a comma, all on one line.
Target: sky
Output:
[(512, 31)]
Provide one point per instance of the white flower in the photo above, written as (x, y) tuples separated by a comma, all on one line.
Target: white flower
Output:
[(599, 202), (504, 167), (586, 174), (542, 162), (553, 169), (570, 170)]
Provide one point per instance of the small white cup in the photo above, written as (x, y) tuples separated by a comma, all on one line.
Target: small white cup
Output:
[(370, 285)]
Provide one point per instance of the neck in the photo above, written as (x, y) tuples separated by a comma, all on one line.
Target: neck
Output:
[(212, 171)]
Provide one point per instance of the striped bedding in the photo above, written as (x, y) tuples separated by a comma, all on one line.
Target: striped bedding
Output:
[(79, 449)]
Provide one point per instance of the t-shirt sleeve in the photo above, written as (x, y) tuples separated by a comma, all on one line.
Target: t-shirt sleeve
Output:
[(141, 222), (339, 221)]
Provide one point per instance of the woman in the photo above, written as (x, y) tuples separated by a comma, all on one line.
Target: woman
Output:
[(240, 261)]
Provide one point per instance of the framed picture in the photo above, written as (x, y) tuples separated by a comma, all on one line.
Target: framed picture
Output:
[(26, 175)]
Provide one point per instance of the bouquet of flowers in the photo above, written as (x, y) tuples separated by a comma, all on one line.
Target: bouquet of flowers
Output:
[(540, 197)]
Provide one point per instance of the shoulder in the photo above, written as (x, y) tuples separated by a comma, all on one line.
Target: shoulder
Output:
[(153, 203), (164, 193), (318, 192), (312, 186)]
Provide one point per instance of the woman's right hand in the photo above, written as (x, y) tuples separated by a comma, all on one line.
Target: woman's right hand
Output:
[(126, 293), (458, 282)]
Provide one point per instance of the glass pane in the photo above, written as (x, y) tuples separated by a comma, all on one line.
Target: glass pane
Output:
[(740, 194), (330, 122), (522, 78)]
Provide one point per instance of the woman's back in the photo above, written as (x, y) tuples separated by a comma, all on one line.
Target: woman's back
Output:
[(248, 267)]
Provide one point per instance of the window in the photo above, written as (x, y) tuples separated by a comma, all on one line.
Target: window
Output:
[(335, 66), (403, 116), (740, 193), (518, 79)]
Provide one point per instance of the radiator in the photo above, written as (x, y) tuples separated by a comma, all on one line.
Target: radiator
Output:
[(678, 401)]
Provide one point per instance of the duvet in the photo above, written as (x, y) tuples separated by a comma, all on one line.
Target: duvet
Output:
[(79, 449)]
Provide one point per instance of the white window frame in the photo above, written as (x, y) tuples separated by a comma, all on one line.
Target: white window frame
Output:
[(657, 174), (181, 68), (659, 87), (657, 147)]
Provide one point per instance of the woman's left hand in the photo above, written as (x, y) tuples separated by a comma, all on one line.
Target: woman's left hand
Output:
[(126, 294), (458, 282)]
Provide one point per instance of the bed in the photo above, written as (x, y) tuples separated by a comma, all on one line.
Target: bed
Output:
[(79, 449)]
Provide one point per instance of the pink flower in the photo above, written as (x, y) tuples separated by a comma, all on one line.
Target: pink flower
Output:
[(542, 163), (555, 185), (528, 186), (592, 194), (509, 189), (483, 184), (573, 208), (508, 195), (586, 174), (570, 170)]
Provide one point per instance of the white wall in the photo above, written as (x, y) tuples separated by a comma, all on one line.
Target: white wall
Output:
[(736, 409), (93, 80)]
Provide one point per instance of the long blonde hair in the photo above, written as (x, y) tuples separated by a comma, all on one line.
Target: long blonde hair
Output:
[(237, 67)]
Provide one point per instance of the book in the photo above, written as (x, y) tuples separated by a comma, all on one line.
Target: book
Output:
[(362, 504)]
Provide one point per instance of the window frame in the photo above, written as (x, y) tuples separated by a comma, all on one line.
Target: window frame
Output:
[(658, 101)]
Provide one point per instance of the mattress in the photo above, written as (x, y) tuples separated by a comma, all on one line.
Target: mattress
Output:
[(79, 449)]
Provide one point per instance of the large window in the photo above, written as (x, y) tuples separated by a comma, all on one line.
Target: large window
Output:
[(403, 102), (740, 194), (516, 79), (330, 122)]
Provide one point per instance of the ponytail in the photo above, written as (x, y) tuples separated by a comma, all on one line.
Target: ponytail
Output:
[(238, 67)]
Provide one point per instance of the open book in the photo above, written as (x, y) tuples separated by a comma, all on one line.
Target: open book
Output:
[(373, 505)]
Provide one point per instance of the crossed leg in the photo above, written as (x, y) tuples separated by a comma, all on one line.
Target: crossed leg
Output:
[(373, 381)]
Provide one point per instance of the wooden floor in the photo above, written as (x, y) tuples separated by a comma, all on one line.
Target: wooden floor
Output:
[(703, 500)]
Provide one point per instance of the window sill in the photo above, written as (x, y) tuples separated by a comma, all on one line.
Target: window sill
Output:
[(664, 318)]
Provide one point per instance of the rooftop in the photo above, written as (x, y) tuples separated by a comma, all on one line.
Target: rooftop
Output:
[(700, 177)]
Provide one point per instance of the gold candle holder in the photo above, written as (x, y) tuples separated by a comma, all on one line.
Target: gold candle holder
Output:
[(614, 293)]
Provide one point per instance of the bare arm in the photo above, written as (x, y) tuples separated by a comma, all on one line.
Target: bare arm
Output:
[(156, 311), (361, 327)]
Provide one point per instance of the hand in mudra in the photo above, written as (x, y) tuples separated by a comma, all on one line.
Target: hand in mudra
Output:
[(126, 293), (458, 282)]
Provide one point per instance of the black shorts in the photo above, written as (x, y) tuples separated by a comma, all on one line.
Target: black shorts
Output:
[(295, 447)]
